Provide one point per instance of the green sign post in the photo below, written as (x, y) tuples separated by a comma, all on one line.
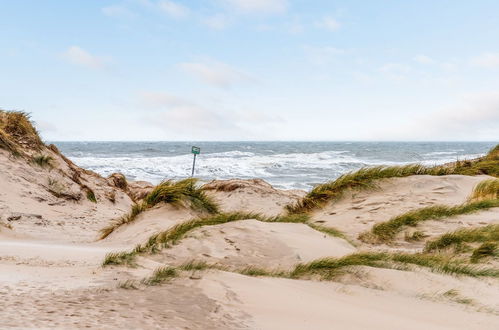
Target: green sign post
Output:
[(195, 151)]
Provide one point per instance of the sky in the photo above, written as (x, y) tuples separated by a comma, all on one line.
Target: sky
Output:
[(234, 70)]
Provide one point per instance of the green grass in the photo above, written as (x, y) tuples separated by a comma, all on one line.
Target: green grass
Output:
[(487, 189), (361, 179), (119, 258), (91, 196), (386, 231), (365, 178), (328, 268), (43, 160), (487, 249), (462, 236), (160, 276), (174, 234), (175, 193)]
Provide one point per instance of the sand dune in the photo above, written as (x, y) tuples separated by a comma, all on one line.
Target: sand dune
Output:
[(51, 273)]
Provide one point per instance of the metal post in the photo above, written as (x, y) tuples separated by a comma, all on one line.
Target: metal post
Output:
[(193, 165)]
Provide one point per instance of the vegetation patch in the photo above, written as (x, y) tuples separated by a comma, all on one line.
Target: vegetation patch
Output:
[(161, 275), (386, 231), (459, 237), (365, 178), (487, 249), (487, 189), (17, 130), (171, 192), (171, 236), (43, 160)]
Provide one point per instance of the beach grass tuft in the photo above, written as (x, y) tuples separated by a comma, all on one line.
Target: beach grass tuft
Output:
[(487, 249), (43, 160), (161, 275), (386, 231), (167, 192), (17, 130), (487, 189), (467, 235)]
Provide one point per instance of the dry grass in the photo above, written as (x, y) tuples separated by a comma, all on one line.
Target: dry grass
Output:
[(17, 129), (176, 193), (161, 275), (386, 231)]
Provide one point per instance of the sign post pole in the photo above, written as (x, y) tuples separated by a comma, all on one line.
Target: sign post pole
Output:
[(196, 151)]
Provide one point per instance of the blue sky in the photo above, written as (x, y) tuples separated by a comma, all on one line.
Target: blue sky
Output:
[(253, 69)]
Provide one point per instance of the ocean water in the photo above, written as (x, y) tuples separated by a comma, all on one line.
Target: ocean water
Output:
[(289, 165)]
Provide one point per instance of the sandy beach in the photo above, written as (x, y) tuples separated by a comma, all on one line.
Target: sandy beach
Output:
[(236, 254)]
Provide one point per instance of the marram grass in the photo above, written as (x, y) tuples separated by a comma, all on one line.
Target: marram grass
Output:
[(462, 236), (365, 178), (171, 192), (386, 231), (174, 234), (487, 189)]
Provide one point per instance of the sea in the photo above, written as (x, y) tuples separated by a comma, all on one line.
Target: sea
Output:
[(286, 165)]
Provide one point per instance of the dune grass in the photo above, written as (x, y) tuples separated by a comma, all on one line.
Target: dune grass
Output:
[(459, 237), (361, 179), (173, 235), (17, 129), (328, 268), (365, 178), (386, 231), (487, 189), (43, 160), (161, 275), (175, 193), (487, 249)]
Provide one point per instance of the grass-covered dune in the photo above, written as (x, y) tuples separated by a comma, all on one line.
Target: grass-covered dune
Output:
[(366, 178), (180, 192), (17, 131)]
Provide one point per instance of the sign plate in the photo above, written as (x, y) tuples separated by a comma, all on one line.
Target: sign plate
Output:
[(196, 150)]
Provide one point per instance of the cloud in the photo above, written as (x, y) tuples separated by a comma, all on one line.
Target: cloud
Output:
[(258, 6), (396, 71), (486, 60), (217, 21), (474, 117), (216, 73), (79, 56), (117, 11), (423, 59), (329, 23), (173, 9)]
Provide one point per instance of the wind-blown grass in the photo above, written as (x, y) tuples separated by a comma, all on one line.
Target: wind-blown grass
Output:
[(386, 231), (161, 275), (16, 129), (173, 235), (487, 249), (328, 268), (462, 236), (487, 189), (43, 160), (175, 193), (365, 178)]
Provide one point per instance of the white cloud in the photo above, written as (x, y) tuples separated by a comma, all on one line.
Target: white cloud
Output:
[(79, 56), (396, 70), (173, 9), (216, 73), (117, 11), (217, 21), (474, 117), (329, 23), (423, 59), (486, 60), (258, 6)]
